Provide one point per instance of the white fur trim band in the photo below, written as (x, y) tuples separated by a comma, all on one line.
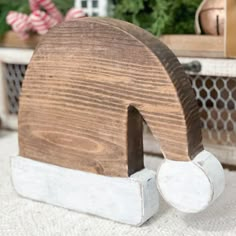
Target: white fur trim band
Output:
[(130, 200)]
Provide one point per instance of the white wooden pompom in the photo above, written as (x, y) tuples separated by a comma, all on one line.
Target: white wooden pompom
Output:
[(191, 186)]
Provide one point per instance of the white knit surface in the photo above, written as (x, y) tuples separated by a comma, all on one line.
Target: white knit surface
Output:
[(20, 216)]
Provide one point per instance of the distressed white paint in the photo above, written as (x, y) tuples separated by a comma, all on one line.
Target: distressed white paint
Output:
[(191, 186), (130, 200), (213, 66)]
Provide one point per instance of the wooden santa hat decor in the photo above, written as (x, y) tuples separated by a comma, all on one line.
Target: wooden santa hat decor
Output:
[(89, 86)]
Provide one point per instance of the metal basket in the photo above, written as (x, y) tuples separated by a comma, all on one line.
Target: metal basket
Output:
[(216, 97), (14, 75)]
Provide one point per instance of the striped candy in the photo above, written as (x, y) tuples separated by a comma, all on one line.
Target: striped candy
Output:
[(20, 23), (74, 13), (39, 21), (49, 6)]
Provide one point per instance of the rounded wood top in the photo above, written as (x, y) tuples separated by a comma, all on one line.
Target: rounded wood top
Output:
[(90, 84)]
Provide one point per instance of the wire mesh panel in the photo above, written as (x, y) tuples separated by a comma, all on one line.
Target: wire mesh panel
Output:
[(14, 77), (216, 97), (214, 83)]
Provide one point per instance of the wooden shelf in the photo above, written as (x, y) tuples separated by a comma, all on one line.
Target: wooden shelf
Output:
[(181, 45), (195, 45), (12, 40)]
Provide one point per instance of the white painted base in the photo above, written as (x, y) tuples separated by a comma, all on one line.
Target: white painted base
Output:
[(130, 200), (191, 186)]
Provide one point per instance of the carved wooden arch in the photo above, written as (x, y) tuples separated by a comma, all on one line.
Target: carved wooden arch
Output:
[(85, 88)]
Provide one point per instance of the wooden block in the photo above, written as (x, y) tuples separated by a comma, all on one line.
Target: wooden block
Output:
[(230, 32), (12, 40), (130, 200), (195, 45), (196, 184), (89, 86)]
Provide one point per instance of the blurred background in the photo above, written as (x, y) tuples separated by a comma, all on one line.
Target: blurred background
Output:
[(157, 16)]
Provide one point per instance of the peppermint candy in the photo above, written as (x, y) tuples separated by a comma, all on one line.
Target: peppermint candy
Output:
[(39, 21), (20, 23)]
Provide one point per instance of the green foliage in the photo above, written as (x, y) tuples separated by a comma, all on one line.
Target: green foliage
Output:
[(23, 7), (64, 5), (156, 16), (6, 6), (159, 16)]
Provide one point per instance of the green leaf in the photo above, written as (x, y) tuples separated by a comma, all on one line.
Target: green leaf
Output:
[(159, 16)]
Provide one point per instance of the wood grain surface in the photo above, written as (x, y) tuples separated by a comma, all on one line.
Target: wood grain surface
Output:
[(206, 46), (12, 40), (230, 32), (87, 89)]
